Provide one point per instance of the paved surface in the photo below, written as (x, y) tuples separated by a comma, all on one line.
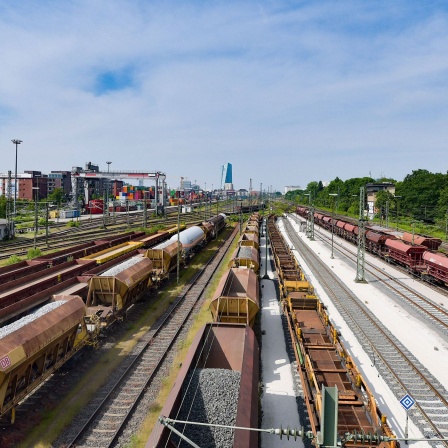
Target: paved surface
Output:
[(429, 347), (278, 400)]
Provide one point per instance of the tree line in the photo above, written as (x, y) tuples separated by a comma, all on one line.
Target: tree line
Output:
[(421, 196)]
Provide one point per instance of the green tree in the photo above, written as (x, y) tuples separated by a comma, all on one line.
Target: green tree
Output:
[(384, 200), (420, 192), (3, 207), (57, 196)]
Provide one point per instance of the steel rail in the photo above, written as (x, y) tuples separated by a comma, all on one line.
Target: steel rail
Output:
[(427, 308), (212, 264), (20, 248), (374, 336)]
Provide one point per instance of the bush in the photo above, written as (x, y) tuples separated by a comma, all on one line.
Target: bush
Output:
[(13, 259), (33, 253), (73, 224)]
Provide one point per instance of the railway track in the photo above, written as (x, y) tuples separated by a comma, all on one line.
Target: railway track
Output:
[(400, 369), (434, 314), (88, 231), (114, 406)]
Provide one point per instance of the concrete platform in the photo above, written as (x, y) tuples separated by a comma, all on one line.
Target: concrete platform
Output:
[(278, 401)]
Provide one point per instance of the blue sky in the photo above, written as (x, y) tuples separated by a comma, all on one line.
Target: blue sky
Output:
[(288, 92)]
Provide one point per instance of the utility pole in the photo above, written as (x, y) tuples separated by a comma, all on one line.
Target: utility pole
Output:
[(178, 240), (46, 224), (35, 216), (446, 226), (145, 210), (104, 208), (9, 219), (241, 216), (332, 226), (16, 142), (107, 189), (387, 213), (310, 220), (127, 212), (360, 261), (250, 196)]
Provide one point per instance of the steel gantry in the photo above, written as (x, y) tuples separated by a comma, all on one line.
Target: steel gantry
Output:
[(87, 175), (360, 262)]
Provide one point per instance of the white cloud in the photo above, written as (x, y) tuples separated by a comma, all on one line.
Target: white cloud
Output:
[(287, 94)]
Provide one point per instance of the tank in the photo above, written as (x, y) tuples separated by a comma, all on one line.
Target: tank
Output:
[(189, 238), (225, 350), (236, 299)]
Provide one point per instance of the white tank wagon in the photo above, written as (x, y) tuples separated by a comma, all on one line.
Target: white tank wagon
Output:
[(189, 238), (33, 347), (115, 290)]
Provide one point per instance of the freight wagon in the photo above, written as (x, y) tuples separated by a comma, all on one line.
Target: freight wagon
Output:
[(402, 248), (32, 348), (115, 290), (237, 297), (322, 362), (114, 252), (222, 363)]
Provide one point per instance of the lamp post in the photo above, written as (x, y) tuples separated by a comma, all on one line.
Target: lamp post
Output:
[(397, 197), (16, 142), (332, 225)]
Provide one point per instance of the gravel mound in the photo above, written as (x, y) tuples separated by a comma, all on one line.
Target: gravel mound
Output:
[(212, 397), (8, 329), (122, 266), (244, 252)]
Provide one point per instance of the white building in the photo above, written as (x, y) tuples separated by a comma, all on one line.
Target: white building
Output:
[(4, 234), (291, 188)]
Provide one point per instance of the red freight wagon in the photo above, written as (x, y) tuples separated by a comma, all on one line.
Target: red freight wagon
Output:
[(436, 266), (340, 228), (406, 254), (429, 242), (375, 242)]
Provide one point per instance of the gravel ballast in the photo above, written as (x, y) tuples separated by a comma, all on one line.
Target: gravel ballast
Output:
[(122, 266), (212, 397), (8, 329)]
